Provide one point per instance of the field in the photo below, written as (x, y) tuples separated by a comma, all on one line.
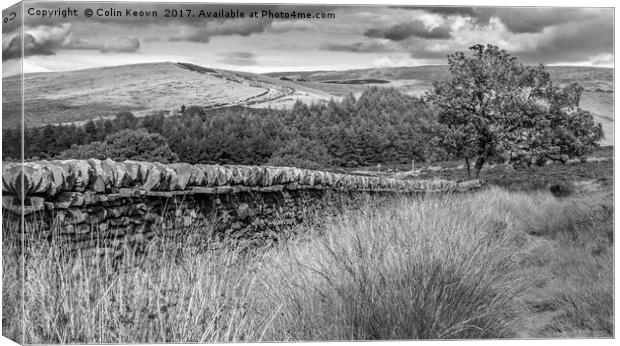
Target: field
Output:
[(496, 264), (78, 96), (592, 169)]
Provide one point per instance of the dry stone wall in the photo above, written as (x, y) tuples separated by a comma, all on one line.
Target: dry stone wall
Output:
[(105, 204)]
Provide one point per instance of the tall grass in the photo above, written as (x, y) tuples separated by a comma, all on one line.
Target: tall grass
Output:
[(490, 264), (419, 269)]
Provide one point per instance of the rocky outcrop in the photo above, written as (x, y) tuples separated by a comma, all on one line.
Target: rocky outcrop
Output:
[(96, 203)]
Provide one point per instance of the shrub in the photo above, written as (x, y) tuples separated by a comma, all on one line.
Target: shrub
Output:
[(125, 145), (303, 153)]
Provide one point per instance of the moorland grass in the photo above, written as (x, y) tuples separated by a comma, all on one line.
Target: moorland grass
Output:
[(491, 264)]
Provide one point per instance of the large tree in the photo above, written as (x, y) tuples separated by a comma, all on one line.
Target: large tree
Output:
[(492, 105)]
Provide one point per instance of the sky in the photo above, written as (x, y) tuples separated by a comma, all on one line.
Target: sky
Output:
[(357, 36)]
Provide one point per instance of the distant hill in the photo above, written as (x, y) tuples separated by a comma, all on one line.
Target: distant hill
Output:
[(77, 96), (598, 95), (74, 96)]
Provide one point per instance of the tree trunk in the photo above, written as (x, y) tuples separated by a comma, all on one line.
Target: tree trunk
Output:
[(482, 158), (468, 167), (479, 163)]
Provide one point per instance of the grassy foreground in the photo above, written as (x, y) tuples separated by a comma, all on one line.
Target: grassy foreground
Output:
[(492, 264)]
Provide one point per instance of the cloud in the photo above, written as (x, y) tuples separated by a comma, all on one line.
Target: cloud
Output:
[(46, 40), (41, 40), (573, 42), (424, 34), (79, 43), (393, 61), (13, 49), (288, 26), (588, 42), (202, 34), (122, 44), (451, 11), (517, 19), (416, 28), (238, 58), (360, 47), (191, 34), (604, 59), (533, 20), (238, 27)]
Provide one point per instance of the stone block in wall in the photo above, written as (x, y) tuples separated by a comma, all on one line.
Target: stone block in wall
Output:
[(153, 176), (112, 174), (209, 175), (239, 174), (62, 179), (11, 173), (32, 205), (136, 170), (37, 179), (96, 215), (224, 175), (11, 204), (69, 199), (76, 215), (80, 173), (255, 176), (167, 177), (281, 175), (120, 222), (266, 176), (187, 175), (306, 177), (96, 180)]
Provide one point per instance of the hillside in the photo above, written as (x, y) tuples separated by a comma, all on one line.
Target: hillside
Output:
[(416, 80), (77, 96), (142, 88)]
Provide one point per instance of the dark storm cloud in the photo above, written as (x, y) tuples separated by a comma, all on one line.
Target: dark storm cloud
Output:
[(573, 43), (31, 47), (238, 58), (532, 20), (416, 28), (42, 40)]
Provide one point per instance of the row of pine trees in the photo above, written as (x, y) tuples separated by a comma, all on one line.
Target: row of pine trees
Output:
[(382, 125)]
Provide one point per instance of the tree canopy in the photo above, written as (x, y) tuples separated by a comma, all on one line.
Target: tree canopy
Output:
[(493, 105), (125, 145)]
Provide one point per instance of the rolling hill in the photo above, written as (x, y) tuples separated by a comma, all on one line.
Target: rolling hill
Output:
[(77, 96), (62, 97)]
